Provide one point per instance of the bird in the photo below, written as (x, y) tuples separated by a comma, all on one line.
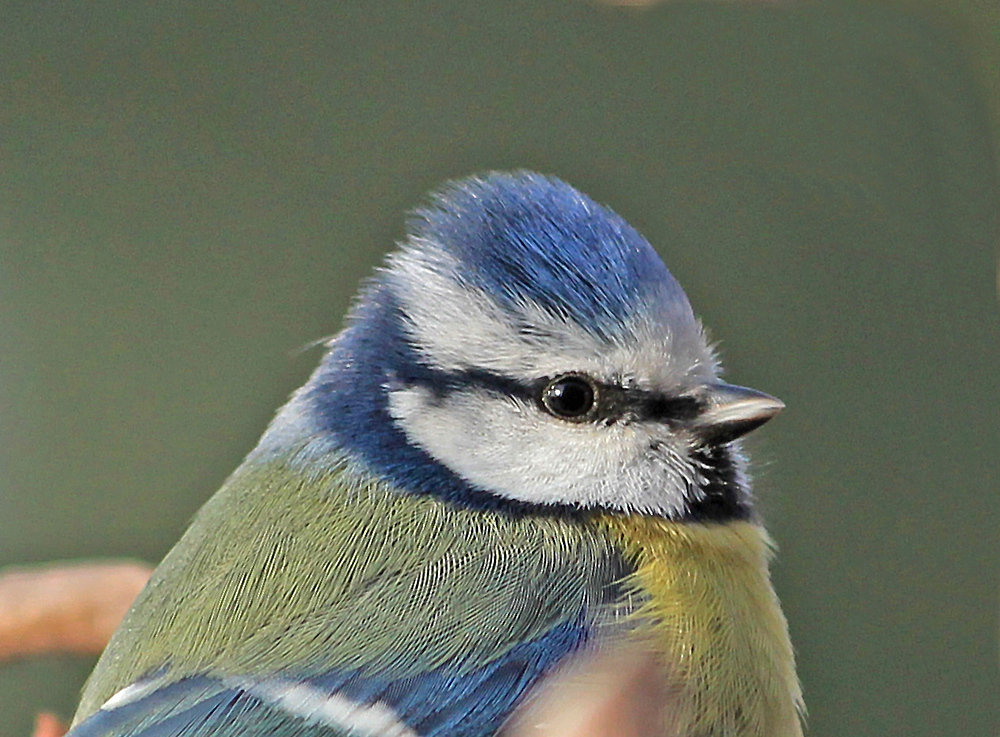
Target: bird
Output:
[(518, 450)]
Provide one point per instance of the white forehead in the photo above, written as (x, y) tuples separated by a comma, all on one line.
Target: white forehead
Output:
[(456, 326)]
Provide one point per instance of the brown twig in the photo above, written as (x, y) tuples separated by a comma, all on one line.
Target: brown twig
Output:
[(65, 607)]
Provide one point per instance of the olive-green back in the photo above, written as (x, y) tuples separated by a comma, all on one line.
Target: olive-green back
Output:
[(294, 570)]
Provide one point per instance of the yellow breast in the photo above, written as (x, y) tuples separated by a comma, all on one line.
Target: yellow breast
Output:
[(710, 609)]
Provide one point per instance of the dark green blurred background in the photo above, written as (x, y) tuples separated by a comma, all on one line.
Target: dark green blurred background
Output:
[(189, 194)]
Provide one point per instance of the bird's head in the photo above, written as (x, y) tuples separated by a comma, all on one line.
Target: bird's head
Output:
[(527, 349)]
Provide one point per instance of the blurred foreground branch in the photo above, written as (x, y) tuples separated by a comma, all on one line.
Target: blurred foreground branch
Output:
[(614, 693)]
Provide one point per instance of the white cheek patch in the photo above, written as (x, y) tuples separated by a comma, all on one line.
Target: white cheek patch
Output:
[(517, 451)]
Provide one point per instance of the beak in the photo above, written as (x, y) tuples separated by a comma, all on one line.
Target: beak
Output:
[(733, 411)]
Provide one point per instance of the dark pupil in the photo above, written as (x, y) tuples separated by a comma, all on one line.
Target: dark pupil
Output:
[(569, 397)]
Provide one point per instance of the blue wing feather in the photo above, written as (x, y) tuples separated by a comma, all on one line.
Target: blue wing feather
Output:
[(199, 707), (454, 700)]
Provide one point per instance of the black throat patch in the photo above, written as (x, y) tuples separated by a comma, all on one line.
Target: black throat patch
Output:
[(722, 495)]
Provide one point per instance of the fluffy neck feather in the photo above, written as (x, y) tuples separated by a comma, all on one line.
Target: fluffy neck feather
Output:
[(715, 619)]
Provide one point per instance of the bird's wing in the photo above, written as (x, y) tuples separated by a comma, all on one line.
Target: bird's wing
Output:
[(437, 703), (350, 591)]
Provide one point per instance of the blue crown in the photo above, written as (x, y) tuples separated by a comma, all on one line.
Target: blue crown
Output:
[(523, 236)]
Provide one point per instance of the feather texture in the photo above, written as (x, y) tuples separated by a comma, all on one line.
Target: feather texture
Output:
[(284, 573), (711, 612)]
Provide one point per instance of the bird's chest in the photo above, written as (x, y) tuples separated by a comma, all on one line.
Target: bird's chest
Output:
[(709, 612)]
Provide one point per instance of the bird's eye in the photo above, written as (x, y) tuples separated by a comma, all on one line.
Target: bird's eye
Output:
[(569, 397)]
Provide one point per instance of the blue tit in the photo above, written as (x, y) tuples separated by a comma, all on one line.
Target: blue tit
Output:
[(518, 449)]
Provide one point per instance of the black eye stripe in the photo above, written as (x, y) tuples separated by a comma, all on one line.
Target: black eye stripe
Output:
[(654, 406), (613, 402), (641, 405)]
